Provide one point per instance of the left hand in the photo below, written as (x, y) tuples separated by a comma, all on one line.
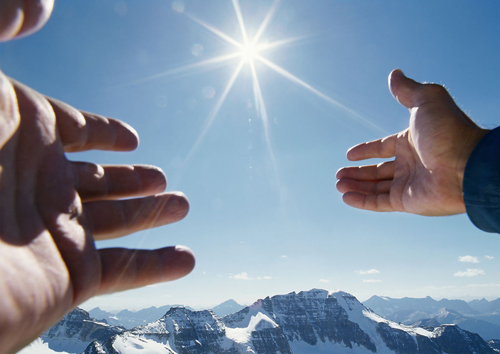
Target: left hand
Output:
[(52, 210)]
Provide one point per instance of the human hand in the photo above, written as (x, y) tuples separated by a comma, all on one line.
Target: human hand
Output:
[(430, 156), (19, 18), (52, 210)]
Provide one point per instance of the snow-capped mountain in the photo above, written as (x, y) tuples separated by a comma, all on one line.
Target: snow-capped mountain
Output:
[(72, 334), (314, 321), (415, 311), (130, 319)]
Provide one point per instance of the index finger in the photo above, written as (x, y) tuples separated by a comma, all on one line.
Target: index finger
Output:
[(81, 131), (381, 148)]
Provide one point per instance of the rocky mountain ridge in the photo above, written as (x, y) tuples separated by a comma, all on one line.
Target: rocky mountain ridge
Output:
[(315, 321), (412, 311)]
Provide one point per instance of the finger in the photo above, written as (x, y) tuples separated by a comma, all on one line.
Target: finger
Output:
[(404, 90), (379, 202), (351, 185), (381, 148), (114, 182), (382, 171), (124, 269), (21, 18), (112, 219), (81, 131)]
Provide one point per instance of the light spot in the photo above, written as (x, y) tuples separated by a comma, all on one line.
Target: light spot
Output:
[(161, 101), (208, 92), (197, 50), (121, 9), (178, 6)]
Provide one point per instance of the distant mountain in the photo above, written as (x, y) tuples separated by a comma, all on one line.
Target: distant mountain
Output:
[(386, 306), (131, 319), (309, 322), (227, 307), (412, 311), (72, 334)]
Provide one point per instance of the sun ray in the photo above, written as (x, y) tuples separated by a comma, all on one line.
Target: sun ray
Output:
[(186, 68), (237, 9), (302, 83), (262, 112), (217, 107), (279, 43), (267, 19), (214, 30)]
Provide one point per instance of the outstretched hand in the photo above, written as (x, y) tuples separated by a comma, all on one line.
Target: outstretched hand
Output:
[(430, 156), (52, 210)]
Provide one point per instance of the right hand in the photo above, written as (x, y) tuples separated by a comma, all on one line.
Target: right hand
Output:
[(430, 156)]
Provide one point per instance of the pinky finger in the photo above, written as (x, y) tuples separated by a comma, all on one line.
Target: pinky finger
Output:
[(124, 269), (373, 202)]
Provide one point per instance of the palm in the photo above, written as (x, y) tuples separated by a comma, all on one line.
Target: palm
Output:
[(49, 221), (426, 174)]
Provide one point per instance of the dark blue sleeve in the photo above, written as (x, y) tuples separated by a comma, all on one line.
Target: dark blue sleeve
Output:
[(481, 185)]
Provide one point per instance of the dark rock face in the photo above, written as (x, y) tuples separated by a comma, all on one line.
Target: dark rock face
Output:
[(294, 323), (453, 339), (78, 325), (314, 316), (196, 331), (396, 339)]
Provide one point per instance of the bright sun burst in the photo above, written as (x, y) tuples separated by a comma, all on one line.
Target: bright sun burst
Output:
[(248, 52)]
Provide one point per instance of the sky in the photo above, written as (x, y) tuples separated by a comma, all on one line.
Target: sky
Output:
[(255, 144)]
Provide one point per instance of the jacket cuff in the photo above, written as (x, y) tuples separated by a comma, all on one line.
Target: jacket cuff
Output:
[(481, 184)]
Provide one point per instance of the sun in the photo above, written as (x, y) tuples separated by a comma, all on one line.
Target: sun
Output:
[(249, 52)]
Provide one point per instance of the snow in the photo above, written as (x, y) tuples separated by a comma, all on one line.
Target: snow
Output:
[(299, 347), (243, 335), (38, 346), (138, 345)]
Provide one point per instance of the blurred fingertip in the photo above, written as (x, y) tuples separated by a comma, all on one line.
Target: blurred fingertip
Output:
[(186, 257), (179, 204)]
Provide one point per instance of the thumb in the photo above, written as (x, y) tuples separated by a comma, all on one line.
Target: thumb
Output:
[(404, 90)]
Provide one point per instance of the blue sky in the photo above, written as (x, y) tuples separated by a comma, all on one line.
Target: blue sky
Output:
[(261, 225)]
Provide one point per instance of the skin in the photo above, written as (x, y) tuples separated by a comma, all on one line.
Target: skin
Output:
[(425, 177), (52, 210)]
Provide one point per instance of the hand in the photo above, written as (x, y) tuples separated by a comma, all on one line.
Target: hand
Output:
[(52, 210), (430, 156), (19, 18)]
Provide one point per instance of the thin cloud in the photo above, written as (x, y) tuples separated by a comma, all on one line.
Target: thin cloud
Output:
[(324, 281), (468, 259), (489, 257), (469, 273), (366, 272), (372, 281), (241, 276), (245, 276)]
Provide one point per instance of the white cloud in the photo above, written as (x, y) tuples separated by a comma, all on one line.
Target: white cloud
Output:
[(244, 276), (241, 276), (489, 257), (324, 281), (284, 256), (365, 272), (469, 273), (372, 280), (468, 259)]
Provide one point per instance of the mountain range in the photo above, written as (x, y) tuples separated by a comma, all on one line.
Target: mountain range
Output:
[(315, 322), (478, 316)]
